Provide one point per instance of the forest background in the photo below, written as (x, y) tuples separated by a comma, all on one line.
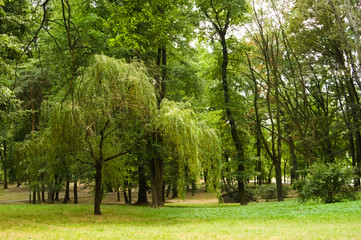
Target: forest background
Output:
[(165, 94)]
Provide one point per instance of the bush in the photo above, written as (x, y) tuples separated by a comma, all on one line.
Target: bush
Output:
[(269, 191), (251, 194), (328, 183)]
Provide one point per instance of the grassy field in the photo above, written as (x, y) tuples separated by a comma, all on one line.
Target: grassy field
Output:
[(273, 220)]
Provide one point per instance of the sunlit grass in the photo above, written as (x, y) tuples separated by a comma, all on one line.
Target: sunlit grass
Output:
[(286, 220)]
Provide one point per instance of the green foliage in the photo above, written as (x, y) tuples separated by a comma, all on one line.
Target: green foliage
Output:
[(329, 183), (251, 194), (220, 10), (195, 145), (141, 25), (269, 191)]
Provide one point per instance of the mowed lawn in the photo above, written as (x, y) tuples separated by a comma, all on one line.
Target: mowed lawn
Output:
[(272, 220)]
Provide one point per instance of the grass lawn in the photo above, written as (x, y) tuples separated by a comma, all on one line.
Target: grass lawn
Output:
[(273, 220)]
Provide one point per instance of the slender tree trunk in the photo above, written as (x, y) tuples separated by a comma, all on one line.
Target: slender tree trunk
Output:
[(125, 196), (67, 192), (75, 192), (57, 185), (3, 156), (142, 193), (356, 155), (34, 197), (98, 187), (269, 180), (43, 193), (5, 179), (194, 187), (174, 191), (168, 190), (259, 160), (236, 139), (130, 195), (294, 174), (39, 196), (50, 194), (118, 195)]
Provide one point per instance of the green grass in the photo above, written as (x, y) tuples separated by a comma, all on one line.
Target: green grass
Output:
[(273, 220)]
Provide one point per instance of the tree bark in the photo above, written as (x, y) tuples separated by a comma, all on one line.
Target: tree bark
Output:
[(130, 195), (142, 193), (125, 196), (50, 194), (156, 168), (5, 179), (236, 139), (75, 192), (294, 174), (118, 195), (3, 156), (43, 193), (67, 192), (39, 196), (98, 187), (34, 197)]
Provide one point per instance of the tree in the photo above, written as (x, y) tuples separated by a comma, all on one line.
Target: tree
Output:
[(222, 15), (10, 113), (149, 30), (112, 99)]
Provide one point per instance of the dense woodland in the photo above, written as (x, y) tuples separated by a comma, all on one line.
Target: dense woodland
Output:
[(162, 95)]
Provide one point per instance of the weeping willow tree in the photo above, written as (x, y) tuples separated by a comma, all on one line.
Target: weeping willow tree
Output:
[(108, 115), (191, 142)]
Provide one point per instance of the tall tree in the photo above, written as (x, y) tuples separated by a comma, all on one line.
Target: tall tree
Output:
[(222, 15)]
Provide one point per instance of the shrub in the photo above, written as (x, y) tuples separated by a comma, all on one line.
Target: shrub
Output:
[(328, 183), (251, 194), (269, 191)]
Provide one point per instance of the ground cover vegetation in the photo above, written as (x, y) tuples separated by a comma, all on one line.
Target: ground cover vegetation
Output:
[(164, 96), (271, 220)]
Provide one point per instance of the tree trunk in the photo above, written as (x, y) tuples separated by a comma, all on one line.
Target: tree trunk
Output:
[(57, 185), (125, 197), (3, 157), (175, 191), (118, 195), (156, 168), (169, 188), (259, 160), (5, 179), (67, 192), (43, 194), (279, 180), (75, 190), (129, 195), (236, 139), (39, 196), (269, 180), (142, 193), (50, 194), (194, 187), (98, 187), (294, 174), (34, 197)]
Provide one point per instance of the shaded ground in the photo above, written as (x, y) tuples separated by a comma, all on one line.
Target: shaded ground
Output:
[(20, 195)]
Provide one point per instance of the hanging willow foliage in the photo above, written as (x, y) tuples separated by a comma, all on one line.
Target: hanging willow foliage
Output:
[(113, 87), (195, 144), (111, 98)]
